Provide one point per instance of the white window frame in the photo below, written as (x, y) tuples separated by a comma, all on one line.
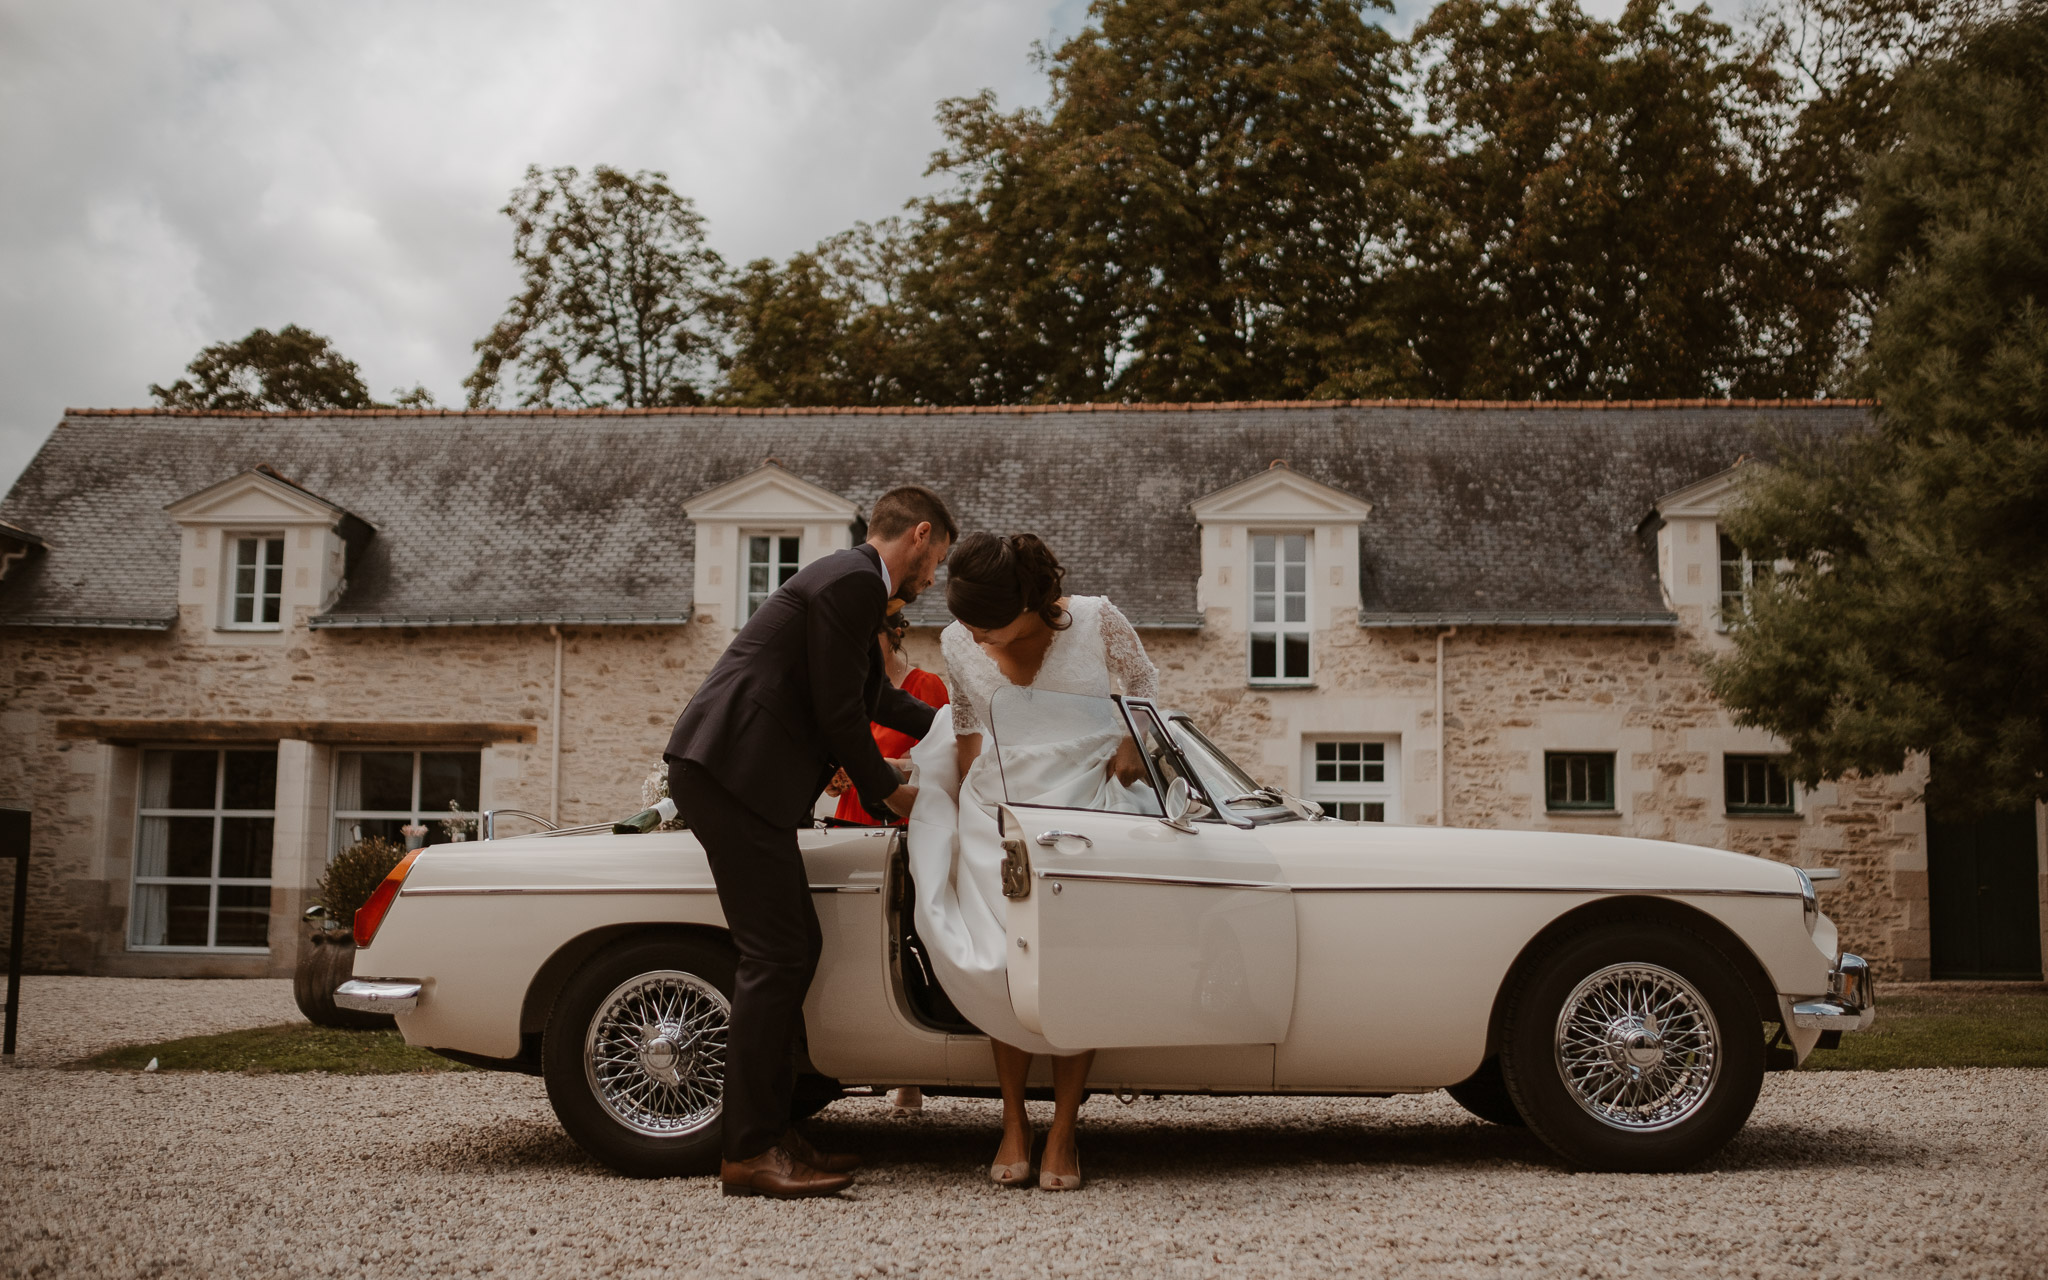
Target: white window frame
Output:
[(777, 566), (429, 818), (1745, 569), (1280, 628), (213, 880), (231, 547), (1385, 792)]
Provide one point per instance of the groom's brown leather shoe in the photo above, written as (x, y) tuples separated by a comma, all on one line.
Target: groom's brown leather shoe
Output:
[(778, 1174), (828, 1162)]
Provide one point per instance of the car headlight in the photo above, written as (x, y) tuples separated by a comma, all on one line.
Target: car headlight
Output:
[(1809, 901)]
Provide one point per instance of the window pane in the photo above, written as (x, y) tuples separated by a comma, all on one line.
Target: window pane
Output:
[(189, 849), (387, 780), (191, 779), (446, 776), (1262, 578), (787, 552), (184, 914), (1374, 813), (245, 848), (1297, 608), (270, 608), (757, 579), (1297, 548), (1297, 657), (251, 781), (1262, 549), (276, 556), (244, 916), (1264, 658), (354, 829), (245, 553)]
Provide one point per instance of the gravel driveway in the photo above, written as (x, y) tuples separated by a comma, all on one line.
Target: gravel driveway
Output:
[(1910, 1173)]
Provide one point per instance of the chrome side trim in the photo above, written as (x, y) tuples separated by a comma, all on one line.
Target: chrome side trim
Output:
[(491, 890), (500, 890), (1135, 877), (1597, 890), (378, 995)]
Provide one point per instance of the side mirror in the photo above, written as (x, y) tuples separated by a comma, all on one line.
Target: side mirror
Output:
[(1182, 809)]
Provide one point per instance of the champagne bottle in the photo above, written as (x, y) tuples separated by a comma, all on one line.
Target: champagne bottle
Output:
[(647, 819)]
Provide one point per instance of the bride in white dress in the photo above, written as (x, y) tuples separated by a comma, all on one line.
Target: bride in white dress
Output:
[(1013, 629)]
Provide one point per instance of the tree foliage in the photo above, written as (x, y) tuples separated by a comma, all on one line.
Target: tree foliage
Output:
[(1580, 223), (293, 368), (618, 296), (1910, 609)]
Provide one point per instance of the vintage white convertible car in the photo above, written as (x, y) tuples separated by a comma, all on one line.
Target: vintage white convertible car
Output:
[(1623, 998)]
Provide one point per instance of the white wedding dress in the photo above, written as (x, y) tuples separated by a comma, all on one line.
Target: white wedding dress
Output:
[(955, 847)]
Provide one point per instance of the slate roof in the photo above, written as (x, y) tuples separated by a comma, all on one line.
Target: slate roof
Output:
[(1481, 513)]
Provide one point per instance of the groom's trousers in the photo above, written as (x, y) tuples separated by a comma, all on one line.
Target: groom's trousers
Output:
[(766, 896)]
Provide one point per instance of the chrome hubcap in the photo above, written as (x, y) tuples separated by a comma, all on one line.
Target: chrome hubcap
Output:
[(655, 1053), (1637, 1047)]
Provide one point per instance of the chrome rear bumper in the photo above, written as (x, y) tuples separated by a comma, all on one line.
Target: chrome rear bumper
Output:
[(1851, 1003), (378, 995)]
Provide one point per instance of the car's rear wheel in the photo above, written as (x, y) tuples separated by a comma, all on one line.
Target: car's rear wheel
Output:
[(634, 1055), (1485, 1094), (1633, 1046)]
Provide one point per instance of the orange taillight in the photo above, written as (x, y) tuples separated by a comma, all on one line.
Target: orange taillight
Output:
[(371, 913)]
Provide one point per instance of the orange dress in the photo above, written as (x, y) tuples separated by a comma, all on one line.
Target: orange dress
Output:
[(926, 688)]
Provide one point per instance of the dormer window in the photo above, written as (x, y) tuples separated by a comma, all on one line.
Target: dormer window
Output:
[(256, 582), (1280, 612), (1739, 575), (772, 559)]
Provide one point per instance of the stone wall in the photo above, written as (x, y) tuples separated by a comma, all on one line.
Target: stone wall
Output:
[(1510, 694)]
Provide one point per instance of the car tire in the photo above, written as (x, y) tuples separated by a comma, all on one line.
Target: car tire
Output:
[(1485, 1094), (1633, 1046), (649, 1106)]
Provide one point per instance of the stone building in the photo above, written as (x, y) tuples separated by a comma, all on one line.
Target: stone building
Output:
[(234, 643)]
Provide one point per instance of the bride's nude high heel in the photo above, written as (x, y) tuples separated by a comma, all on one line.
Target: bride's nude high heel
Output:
[(1050, 1181), (1012, 1175)]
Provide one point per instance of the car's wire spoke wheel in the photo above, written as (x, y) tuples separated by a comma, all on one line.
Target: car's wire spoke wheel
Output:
[(655, 1053), (1638, 1047)]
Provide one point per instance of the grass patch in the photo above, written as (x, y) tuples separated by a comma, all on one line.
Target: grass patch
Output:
[(1936, 1027), (294, 1046)]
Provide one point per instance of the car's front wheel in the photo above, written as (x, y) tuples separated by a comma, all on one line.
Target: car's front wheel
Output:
[(1633, 1046), (634, 1055)]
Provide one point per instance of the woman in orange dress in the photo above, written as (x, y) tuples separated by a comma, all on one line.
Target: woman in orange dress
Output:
[(919, 684)]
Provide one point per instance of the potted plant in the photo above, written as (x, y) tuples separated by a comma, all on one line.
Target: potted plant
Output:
[(329, 956)]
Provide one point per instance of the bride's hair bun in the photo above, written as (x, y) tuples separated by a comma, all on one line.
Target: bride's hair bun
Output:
[(991, 580), (1039, 576)]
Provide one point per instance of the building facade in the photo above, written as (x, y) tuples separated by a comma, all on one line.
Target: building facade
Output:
[(234, 644)]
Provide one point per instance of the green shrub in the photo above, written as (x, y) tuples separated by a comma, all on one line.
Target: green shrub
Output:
[(353, 876)]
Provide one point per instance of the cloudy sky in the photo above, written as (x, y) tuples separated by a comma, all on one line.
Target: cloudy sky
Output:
[(178, 172)]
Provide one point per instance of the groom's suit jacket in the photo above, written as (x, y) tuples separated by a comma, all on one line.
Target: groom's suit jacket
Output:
[(791, 698)]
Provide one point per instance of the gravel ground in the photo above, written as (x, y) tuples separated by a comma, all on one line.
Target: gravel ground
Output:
[(1910, 1173), (64, 1019)]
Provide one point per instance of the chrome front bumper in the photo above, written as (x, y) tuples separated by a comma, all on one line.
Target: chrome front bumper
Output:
[(1851, 1003), (380, 995)]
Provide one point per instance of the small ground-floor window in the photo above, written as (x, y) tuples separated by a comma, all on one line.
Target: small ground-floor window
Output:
[(1756, 784), (202, 850), (1579, 780), (378, 793), (1355, 779)]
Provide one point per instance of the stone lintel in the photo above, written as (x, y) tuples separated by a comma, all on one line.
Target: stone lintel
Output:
[(379, 732)]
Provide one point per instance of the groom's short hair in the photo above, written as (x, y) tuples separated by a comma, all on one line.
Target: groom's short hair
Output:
[(907, 506)]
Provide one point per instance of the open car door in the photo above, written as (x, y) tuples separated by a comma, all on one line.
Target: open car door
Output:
[(1128, 925)]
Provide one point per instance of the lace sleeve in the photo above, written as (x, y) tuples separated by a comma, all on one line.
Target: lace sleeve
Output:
[(959, 651), (1126, 654)]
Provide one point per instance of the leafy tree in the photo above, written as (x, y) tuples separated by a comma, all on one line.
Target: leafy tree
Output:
[(293, 368), (1910, 608), (1838, 65), (617, 300), (826, 328), (1579, 223), (1191, 216)]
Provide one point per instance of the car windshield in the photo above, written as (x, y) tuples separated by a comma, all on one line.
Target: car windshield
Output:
[(1219, 775)]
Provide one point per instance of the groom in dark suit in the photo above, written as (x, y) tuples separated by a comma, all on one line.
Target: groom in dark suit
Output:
[(787, 705)]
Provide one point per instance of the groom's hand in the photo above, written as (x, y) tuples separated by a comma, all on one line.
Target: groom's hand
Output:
[(902, 799)]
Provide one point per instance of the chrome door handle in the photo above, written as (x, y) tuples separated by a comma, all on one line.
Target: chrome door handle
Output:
[(1051, 838)]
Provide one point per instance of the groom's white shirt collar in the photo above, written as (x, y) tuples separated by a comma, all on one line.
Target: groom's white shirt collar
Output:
[(888, 583)]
